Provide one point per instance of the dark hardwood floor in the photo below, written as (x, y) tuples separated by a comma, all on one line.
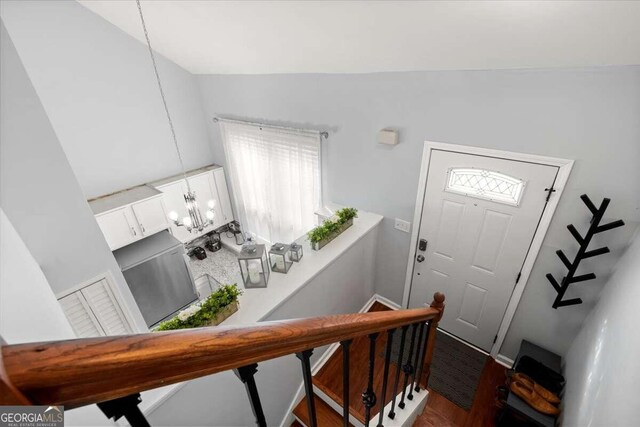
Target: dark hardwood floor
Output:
[(441, 412)]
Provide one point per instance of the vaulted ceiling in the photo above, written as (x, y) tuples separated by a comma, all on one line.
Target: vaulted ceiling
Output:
[(262, 37)]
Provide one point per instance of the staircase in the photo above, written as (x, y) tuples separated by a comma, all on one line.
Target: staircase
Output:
[(329, 387), (348, 390)]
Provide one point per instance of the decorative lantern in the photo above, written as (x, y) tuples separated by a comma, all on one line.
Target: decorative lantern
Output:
[(234, 227), (279, 258), (254, 266), (295, 252)]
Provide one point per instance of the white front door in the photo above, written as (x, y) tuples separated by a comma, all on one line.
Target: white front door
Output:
[(478, 219)]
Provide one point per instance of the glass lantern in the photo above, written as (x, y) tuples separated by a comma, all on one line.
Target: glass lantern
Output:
[(238, 235), (279, 258), (254, 266), (295, 252)]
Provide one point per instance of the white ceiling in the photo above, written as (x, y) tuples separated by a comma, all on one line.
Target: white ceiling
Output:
[(260, 37)]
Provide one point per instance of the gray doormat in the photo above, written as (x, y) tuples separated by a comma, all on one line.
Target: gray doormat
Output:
[(455, 369)]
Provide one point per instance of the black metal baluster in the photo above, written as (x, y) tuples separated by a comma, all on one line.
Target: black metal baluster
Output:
[(246, 374), (387, 358), (392, 414), (407, 368), (415, 360), (125, 407), (308, 385), (369, 396), (424, 353), (345, 381)]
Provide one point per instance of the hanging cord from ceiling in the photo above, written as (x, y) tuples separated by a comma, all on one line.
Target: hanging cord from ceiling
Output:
[(164, 100)]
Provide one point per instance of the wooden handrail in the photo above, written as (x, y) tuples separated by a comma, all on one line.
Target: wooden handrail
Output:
[(83, 371)]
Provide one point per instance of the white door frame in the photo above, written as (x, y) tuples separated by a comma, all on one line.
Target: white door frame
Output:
[(564, 166)]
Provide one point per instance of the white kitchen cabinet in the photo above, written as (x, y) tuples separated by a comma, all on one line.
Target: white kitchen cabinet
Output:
[(130, 215), (223, 195), (150, 215), (119, 227)]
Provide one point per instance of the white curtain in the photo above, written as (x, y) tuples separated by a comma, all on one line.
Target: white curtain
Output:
[(275, 178)]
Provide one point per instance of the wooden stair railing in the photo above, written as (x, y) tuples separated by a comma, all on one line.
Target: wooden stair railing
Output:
[(79, 372)]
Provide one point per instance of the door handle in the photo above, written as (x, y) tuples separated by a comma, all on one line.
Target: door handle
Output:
[(133, 231), (420, 258), (142, 227)]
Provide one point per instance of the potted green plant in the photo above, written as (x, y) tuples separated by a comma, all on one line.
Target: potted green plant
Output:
[(218, 306), (331, 228)]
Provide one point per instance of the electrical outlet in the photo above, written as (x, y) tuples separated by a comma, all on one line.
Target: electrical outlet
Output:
[(402, 225)]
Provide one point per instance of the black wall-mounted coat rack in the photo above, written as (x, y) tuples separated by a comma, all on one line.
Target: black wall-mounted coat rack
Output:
[(583, 253)]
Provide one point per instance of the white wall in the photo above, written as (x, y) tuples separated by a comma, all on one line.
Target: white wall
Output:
[(39, 192), (29, 311), (96, 84), (601, 367), (220, 400), (590, 115)]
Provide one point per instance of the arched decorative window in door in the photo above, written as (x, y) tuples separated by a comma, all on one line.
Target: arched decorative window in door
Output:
[(485, 184)]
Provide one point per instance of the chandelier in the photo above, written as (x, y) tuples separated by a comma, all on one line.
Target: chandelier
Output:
[(194, 221)]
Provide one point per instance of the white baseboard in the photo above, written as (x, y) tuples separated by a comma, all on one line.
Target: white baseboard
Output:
[(407, 416), (386, 301), (288, 416), (504, 361)]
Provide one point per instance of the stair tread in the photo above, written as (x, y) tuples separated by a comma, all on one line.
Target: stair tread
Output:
[(325, 415)]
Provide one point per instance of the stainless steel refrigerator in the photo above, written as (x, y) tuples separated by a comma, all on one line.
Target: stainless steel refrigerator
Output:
[(157, 272)]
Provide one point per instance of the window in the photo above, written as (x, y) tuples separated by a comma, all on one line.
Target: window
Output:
[(485, 184), (275, 177)]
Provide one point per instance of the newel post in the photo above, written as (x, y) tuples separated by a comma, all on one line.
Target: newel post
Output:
[(438, 303)]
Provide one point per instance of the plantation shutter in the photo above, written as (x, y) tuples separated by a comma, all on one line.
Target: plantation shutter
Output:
[(82, 320), (95, 311)]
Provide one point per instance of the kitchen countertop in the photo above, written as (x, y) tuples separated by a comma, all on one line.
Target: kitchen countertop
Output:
[(221, 266)]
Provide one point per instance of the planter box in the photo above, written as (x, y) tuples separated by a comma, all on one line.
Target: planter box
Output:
[(316, 246), (220, 317), (224, 314)]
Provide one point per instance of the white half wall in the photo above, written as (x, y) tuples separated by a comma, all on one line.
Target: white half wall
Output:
[(220, 400), (601, 367)]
